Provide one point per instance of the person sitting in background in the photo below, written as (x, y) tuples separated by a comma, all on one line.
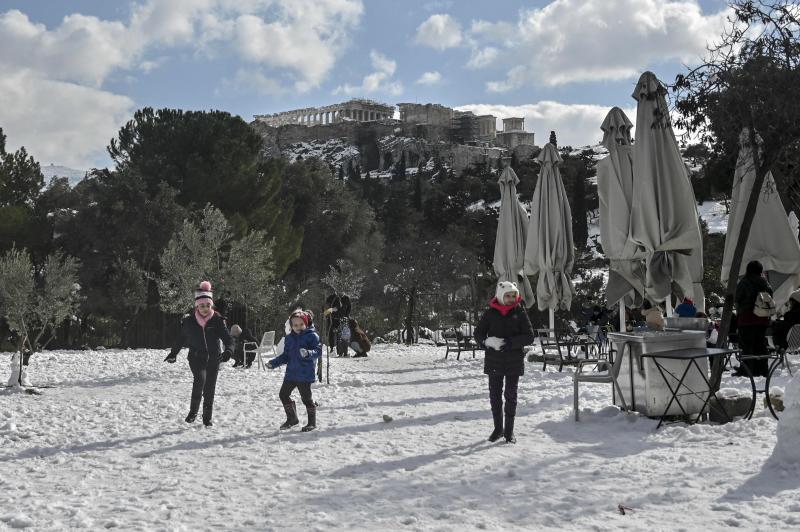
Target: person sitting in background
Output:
[(792, 317), (359, 341), (686, 309), (240, 336), (653, 317)]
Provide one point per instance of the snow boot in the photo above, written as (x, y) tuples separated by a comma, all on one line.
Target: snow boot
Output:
[(509, 430), (291, 416), (207, 416), (498, 426), (191, 417), (312, 418)]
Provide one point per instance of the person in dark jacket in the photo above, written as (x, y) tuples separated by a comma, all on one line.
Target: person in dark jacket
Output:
[(752, 329), (790, 319), (240, 337), (337, 310), (301, 349), (201, 332), (503, 331), (359, 341)]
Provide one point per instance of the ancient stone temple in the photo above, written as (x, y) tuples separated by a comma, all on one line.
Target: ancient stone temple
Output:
[(514, 134), (357, 110)]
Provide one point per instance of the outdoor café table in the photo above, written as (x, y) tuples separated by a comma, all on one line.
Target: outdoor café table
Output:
[(775, 361), (691, 356)]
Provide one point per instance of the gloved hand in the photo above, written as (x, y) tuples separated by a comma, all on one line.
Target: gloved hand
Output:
[(494, 342), (171, 358), (225, 356), (304, 352), (329, 311), (270, 366)]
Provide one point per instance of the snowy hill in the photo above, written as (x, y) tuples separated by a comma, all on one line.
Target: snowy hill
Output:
[(53, 170)]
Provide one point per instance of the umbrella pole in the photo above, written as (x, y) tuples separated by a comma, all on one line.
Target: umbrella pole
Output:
[(668, 303), (622, 327), (553, 323)]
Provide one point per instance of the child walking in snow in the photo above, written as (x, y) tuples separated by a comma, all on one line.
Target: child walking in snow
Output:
[(201, 332), (301, 349), (503, 331)]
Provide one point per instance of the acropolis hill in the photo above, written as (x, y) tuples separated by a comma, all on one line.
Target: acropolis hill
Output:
[(375, 138)]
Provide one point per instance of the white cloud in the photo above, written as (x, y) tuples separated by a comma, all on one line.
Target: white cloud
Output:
[(378, 81), (430, 78), (482, 57), (300, 40), (591, 40), (59, 121), (439, 32), (574, 124)]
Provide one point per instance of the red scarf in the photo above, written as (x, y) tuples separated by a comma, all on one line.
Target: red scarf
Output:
[(201, 320), (504, 309)]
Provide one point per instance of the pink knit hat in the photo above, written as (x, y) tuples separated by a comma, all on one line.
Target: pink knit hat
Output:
[(203, 294)]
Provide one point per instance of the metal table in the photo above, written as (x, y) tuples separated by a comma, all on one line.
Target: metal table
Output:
[(691, 356)]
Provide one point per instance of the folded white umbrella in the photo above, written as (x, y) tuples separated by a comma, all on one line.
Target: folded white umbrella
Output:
[(664, 223), (771, 241), (549, 251), (509, 245), (615, 189)]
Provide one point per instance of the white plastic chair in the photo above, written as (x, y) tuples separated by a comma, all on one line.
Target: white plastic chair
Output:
[(267, 346)]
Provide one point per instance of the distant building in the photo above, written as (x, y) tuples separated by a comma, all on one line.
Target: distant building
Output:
[(357, 109), (514, 134), (464, 126)]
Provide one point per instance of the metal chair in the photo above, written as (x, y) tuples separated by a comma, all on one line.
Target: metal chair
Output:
[(793, 346), (267, 346), (610, 374)]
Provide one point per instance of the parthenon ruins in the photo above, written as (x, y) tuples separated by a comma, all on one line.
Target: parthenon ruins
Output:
[(357, 109)]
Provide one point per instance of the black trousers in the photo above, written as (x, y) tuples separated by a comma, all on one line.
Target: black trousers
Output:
[(205, 383), (496, 394), (753, 341), (288, 387)]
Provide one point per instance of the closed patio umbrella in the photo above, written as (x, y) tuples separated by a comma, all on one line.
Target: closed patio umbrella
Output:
[(549, 251), (509, 245), (615, 189), (664, 223), (772, 240)]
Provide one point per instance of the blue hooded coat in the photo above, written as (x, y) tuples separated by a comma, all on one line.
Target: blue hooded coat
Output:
[(299, 369)]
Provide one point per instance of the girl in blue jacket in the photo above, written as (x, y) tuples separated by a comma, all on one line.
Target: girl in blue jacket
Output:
[(301, 349)]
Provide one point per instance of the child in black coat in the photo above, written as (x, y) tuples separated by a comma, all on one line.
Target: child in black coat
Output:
[(504, 330)]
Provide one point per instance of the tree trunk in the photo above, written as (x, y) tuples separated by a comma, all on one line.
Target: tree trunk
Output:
[(738, 254), (412, 303)]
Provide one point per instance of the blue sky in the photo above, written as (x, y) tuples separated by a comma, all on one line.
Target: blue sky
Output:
[(75, 71)]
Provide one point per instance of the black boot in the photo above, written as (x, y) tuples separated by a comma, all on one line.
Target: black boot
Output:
[(193, 408), (312, 418), (291, 416), (498, 425), (207, 416), (509, 430)]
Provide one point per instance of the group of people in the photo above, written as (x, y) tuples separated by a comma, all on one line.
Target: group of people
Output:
[(503, 331), (211, 343)]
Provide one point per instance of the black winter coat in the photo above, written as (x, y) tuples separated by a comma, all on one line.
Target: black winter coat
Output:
[(203, 343), (515, 328)]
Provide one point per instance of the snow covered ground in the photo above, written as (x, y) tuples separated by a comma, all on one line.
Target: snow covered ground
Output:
[(107, 447)]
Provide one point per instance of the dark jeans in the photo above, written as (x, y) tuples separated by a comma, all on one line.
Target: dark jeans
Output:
[(753, 342), (238, 357), (288, 387), (205, 382), (496, 394)]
